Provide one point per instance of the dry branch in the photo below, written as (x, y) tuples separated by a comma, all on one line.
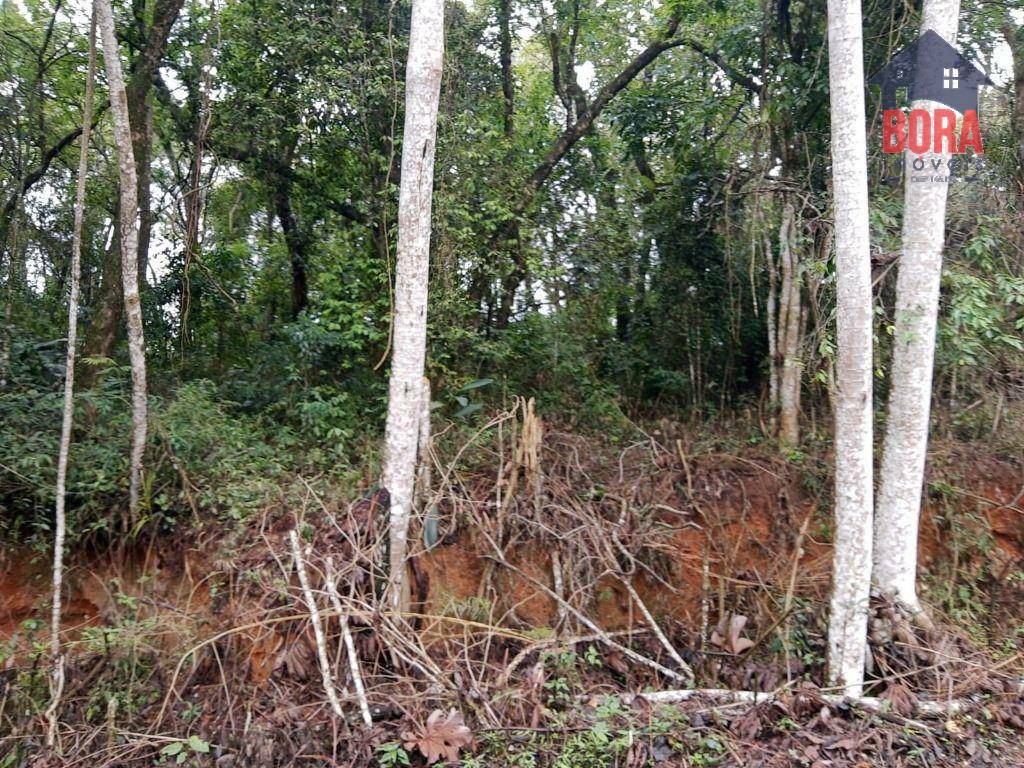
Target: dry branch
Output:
[(353, 659), (314, 615)]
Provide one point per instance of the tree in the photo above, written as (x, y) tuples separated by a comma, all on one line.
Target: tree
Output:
[(851, 572), (129, 233), (580, 116), (67, 417), (405, 394), (1013, 33), (909, 407), (149, 41), (790, 320)]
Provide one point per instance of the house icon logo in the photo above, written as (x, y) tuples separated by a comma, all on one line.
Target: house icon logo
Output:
[(931, 70)]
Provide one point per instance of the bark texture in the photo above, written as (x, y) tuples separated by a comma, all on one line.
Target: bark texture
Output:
[(909, 407), (789, 329), (422, 92), (851, 572), (129, 232)]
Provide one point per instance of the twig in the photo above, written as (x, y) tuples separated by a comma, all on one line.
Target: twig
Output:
[(314, 614), (934, 708), (346, 635), (580, 617), (669, 648)]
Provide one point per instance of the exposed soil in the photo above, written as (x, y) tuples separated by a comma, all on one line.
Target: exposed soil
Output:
[(701, 538)]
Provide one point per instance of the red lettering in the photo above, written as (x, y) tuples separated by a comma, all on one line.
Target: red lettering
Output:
[(945, 125), (970, 133), (919, 131), (894, 131)]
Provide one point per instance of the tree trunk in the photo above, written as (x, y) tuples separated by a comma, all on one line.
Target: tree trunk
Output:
[(297, 245), (790, 324), (60, 523), (917, 305), (771, 312), (505, 55), (140, 84), (1014, 35), (129, 245), (10, 291), (851, 570), (422, 93), (101, 334)]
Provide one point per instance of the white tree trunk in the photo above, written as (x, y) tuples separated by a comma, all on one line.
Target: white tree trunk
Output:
[(422, 92), (60, 523), (851, 570), (790, 324), (917, 305), (773, 336), (129, 245)]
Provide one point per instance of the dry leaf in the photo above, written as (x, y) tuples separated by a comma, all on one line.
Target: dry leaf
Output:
[(901, 699), (727, 634), (616, 662), (264, 658), (746, 726), (442, 736)]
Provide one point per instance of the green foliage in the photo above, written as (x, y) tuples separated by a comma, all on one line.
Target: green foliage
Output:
[(632, 282), (392, 755), (206, 456), (179, 751)]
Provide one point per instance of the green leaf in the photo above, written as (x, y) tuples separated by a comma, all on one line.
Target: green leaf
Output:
[(173, 748), (197, 744), (476, 384), (468, 410)]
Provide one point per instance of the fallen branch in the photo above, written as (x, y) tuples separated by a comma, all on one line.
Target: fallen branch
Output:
[(580, 617), (314, 615), (346, 635), (872, 703), (669, 648)]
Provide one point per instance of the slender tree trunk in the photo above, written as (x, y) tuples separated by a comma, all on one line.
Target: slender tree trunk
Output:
[(507, 83), (13, 271), (60, 523), (422, 93), (851, 571), (129, 245), (1013, 32), (790, 322), (917, 306), (773, 334), (101, 335)]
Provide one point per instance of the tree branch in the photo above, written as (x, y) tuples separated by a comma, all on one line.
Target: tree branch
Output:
[(716, 58)]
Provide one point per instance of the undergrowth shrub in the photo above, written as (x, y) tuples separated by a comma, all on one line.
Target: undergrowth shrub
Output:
[(205, 459)]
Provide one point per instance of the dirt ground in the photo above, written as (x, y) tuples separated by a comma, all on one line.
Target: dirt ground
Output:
[(561, 585)]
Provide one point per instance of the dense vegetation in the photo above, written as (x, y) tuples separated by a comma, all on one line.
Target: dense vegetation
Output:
[(633, 281), (632, 225)]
